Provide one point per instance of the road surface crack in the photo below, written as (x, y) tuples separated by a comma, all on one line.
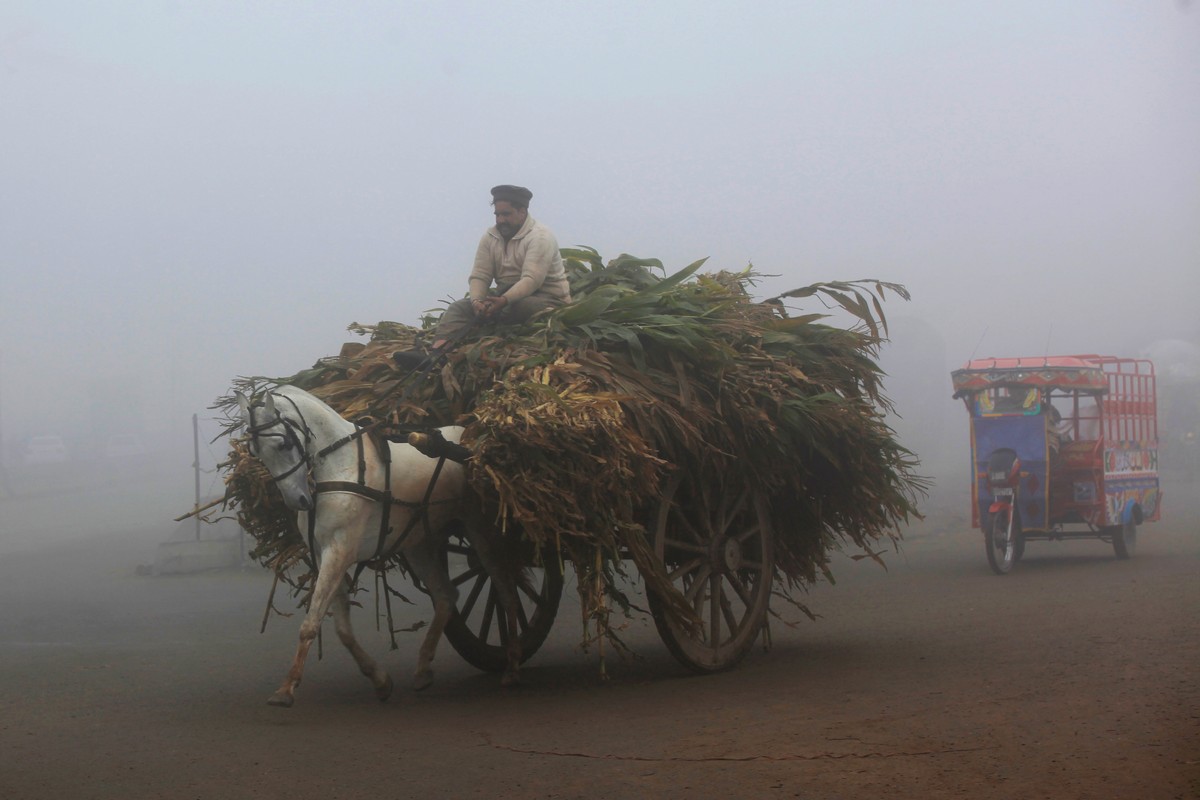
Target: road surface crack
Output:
[(700, 759)]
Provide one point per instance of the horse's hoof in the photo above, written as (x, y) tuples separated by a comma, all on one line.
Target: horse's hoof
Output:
[(510, 679), (384, 691), (281, 699), (422, 680)]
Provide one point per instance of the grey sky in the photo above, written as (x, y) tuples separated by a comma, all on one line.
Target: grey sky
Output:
[(195, 191)]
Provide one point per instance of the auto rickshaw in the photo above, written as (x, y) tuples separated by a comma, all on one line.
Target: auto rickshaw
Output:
[(1062, 447)]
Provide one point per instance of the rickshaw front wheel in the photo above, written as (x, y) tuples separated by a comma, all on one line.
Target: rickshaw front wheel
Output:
[(1003, 546), (1124, 539)]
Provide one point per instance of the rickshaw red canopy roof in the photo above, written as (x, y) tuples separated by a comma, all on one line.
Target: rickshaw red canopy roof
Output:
[(1077, 373)]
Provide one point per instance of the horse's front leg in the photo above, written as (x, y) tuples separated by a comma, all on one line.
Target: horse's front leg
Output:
[(427, 568), (345, 631), (335, 560)]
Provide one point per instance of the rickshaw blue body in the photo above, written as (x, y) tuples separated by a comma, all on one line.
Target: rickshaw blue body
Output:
[(1027, 437)]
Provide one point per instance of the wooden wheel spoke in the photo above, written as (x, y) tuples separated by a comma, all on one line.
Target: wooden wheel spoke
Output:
[(686, 526), (731, 511), (714, 610), (480, 582), (721, 513), (489, 608), (751, 532), (683, 569), (459, 549), (707, 531), (474, 572), (698, 583), (687, 547), (742, 591), (727, 612)]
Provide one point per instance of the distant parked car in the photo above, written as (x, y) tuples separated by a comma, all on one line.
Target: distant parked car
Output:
[(45, 450)]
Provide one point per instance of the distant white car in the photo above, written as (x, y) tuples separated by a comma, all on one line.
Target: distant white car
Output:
[(45, 450)]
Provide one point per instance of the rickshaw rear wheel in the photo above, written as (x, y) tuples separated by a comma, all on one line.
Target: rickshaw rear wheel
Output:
[(1124, 539), (1002, 552)]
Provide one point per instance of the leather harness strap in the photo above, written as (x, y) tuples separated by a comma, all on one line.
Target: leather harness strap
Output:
[(385, 498)]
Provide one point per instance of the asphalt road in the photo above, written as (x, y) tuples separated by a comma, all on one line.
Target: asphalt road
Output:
[(1077, 676)]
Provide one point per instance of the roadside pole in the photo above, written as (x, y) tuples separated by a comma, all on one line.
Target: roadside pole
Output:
[(4, 488), (196, 468)]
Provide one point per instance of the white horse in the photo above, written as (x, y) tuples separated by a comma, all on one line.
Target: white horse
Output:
[(364, 505)]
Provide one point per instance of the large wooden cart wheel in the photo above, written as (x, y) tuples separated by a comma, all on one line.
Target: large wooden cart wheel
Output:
[(718, 552), (478, 631)]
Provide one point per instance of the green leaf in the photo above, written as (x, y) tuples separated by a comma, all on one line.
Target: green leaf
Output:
[(668, 283), (589, 307)]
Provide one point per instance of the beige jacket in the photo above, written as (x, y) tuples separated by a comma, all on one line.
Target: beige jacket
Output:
[(528, 264)]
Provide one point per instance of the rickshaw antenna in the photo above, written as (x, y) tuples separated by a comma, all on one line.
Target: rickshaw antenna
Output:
[(1049, 333), (976, 350)]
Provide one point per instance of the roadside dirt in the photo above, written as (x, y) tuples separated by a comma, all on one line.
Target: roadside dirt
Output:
[(1077, 676)]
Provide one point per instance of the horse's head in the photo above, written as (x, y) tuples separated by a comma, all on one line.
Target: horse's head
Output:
[(281, 444)]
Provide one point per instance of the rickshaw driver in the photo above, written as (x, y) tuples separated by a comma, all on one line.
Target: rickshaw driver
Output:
[(520, 255), (1056, 431)]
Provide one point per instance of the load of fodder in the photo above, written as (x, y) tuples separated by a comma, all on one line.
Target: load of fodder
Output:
[(577, 419)]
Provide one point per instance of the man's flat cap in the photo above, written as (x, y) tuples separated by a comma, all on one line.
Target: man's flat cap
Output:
[(509, 194)]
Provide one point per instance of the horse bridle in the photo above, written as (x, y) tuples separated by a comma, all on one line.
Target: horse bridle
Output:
[(288, 434)]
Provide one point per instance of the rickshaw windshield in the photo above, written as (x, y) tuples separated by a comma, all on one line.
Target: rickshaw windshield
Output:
[(1002, 401)]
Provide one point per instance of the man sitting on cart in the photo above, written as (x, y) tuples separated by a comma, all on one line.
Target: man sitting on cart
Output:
[(520, 256)]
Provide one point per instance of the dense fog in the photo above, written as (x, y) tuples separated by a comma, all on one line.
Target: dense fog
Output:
[(193, 192)]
